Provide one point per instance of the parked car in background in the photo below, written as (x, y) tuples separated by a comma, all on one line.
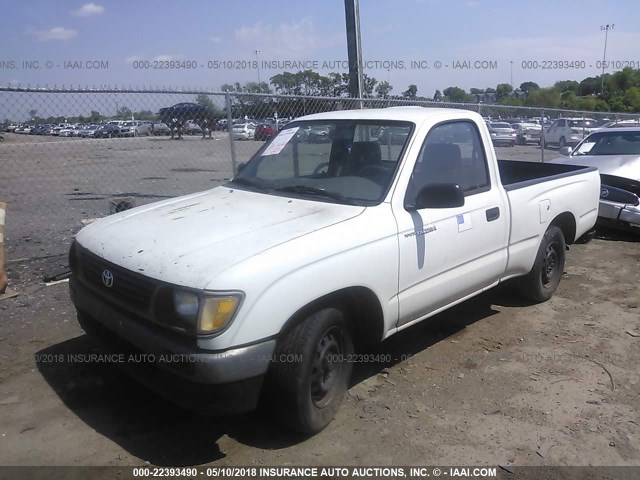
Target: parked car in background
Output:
[(244, 131), (502, 134), (616, 154), (159, 128), (12, 127), (569, 131), (135, 128), (316, 134), (24, 129), (265, 131), (107, 131), (89, 131), (42, 129), (527, 132), (192, 128), (392, 136), (621, 123), (70, 131)]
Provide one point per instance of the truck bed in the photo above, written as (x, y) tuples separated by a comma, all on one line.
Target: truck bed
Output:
[(515, 174)]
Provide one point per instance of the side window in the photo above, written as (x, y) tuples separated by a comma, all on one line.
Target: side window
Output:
[(452, 153)]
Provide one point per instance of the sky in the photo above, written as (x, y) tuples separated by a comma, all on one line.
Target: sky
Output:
[(54, 43)]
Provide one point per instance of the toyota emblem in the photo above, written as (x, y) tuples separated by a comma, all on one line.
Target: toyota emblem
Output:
[(107, 278)]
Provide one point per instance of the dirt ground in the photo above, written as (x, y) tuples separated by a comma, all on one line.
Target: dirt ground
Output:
[(493, 382)]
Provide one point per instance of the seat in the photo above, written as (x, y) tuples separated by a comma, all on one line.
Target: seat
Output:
[(363, 154), (441, 163), (338, 157)]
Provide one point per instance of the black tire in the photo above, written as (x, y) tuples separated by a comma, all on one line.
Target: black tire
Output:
[(562, 142), (311, 372), (541, 282)]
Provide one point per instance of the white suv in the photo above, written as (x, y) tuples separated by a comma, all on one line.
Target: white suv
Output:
[(135, 128), (569, 131)]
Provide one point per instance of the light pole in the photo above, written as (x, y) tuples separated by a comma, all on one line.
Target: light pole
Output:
[(511, 75), (606, 29), (258, 65)]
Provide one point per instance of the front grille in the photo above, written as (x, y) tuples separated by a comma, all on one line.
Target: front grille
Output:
[(129, 288)]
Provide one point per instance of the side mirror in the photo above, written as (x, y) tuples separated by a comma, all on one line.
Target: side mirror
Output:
[(566, 151), (438, 195)]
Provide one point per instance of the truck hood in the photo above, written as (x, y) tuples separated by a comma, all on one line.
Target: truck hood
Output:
[(190, 240), (626, 166)]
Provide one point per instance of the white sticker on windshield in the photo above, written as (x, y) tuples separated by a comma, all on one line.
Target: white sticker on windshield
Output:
[(280, 141)]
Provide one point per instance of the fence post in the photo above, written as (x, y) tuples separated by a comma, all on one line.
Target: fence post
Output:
[(3, 274), (542, 137), (232, 147)]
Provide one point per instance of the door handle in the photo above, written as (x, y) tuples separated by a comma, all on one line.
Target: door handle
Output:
[(493, 214)]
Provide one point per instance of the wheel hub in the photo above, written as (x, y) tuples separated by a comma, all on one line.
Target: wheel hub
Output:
[(550, 265), (325, 369)]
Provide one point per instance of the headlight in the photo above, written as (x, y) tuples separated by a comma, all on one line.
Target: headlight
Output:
[(217, 312), (186, 304)]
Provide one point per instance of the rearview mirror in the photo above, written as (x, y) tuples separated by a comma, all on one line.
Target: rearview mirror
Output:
[(438, 195), (565, 151)]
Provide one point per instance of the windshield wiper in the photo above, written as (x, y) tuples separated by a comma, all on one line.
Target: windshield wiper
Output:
[(306, 190), (249, 183)]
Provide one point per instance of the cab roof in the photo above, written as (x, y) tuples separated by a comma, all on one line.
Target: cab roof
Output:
[(413, 114)]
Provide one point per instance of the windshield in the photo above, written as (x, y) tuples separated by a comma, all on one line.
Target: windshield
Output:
[(343, 161), (610, 143)]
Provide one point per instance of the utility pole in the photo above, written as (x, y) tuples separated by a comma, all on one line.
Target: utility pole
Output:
[(354, 48), (606, 29)]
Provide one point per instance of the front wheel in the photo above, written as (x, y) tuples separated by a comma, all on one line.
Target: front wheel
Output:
[(542, 281), (311, 371)]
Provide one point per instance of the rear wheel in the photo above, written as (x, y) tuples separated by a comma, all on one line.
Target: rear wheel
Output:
[(542, 281), (311, 371)]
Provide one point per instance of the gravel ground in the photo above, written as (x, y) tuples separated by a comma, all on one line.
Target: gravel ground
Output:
[(492, 381)]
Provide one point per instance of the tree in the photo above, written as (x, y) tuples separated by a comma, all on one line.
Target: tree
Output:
[(32, 114), (124, 112), (95, 117), (528, 86), (383, 89), (545, 97), (476, 91), (489, 90), (410, 92), (339, 84), (590, 86), (503, 90), (368, 85), (437, 96), (145, 115), (455, 94), (568, 86)]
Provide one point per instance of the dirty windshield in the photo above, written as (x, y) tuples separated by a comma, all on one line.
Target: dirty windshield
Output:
[(338, 161)]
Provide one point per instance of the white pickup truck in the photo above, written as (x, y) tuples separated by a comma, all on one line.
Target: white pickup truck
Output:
[(260, 287)]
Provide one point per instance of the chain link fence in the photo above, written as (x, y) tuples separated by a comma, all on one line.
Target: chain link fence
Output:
[(72, 155)]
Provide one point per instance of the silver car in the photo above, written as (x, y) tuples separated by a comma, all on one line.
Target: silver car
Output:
[(616, 154), (502, 134), (527, 132)]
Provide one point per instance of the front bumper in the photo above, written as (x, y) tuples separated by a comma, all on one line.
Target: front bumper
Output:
[(171, 364)]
